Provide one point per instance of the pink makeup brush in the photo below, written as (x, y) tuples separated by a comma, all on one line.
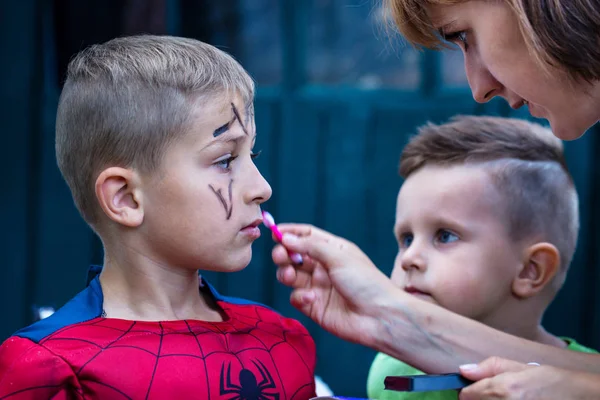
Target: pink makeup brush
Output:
[(269, 222)]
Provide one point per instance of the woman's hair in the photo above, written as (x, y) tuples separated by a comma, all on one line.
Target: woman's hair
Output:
[(559, 33)]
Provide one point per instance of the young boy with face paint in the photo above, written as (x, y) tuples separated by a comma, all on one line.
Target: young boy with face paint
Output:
[(486, 224), (155, 137)]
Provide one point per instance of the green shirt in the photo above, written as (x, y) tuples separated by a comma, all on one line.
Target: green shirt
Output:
[(384, 365)]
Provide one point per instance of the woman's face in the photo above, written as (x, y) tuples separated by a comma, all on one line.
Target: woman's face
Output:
[(497, 63)]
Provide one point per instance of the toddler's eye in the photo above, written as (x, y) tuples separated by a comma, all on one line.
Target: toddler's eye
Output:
[(445, 236), (406, 240)]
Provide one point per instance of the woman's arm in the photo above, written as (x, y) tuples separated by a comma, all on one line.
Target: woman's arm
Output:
[(339, 288), (437, 340)]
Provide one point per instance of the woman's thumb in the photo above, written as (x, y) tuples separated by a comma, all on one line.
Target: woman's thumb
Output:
[(318, 249), (491, 367)]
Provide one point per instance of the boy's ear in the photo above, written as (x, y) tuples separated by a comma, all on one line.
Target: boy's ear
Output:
[(120, 196), (541, 263)]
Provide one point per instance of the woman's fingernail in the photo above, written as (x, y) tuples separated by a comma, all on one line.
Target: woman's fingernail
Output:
[(296, 258), (290, 239), (534, 364), (468, 367), (308, 297)]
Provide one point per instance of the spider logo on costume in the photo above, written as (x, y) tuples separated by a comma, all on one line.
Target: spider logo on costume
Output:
[(249, 388)]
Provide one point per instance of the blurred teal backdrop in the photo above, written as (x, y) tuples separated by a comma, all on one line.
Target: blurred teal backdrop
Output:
[(336, 102)]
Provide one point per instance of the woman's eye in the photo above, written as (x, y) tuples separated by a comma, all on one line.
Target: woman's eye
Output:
[(445, 236), (458, 37)]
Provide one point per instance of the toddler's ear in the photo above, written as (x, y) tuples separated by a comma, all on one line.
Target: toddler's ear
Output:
[(119, 195), (540, 265)]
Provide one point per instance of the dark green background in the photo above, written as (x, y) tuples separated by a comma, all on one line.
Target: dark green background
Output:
[(330, 142)]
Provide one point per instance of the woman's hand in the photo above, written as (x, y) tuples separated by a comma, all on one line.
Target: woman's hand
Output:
[(341, 290), (498, 378), (337, 285)]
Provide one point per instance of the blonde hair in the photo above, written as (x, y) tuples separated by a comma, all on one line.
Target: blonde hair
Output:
[(559, 33), (526, 164), (126, 100)]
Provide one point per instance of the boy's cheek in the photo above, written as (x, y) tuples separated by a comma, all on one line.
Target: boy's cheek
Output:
[(398, 276)]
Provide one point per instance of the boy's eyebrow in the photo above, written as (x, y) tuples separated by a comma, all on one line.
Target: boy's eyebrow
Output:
[(396, 231), (228, 139)]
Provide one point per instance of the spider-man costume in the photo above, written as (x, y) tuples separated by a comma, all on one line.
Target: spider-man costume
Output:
[(255, 353)]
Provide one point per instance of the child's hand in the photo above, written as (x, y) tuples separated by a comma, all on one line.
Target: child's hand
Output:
[(337, 286)]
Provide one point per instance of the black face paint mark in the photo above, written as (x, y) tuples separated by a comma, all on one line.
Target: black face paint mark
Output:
[(228, 209), (250, 119), (237, 116), (249, 114), (230, 199), (222, 129)]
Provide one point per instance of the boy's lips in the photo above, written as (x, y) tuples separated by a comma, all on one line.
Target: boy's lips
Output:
[(252, 231), (415, 291), (254, 224)]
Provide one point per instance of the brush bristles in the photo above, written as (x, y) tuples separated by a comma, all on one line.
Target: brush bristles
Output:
[(268, 219)]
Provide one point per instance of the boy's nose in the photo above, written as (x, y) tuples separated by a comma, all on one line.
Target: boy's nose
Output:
[(258, 189), (413, 259), (265, 192)]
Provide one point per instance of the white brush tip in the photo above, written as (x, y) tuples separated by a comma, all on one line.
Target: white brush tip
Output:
[(268, 219)]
